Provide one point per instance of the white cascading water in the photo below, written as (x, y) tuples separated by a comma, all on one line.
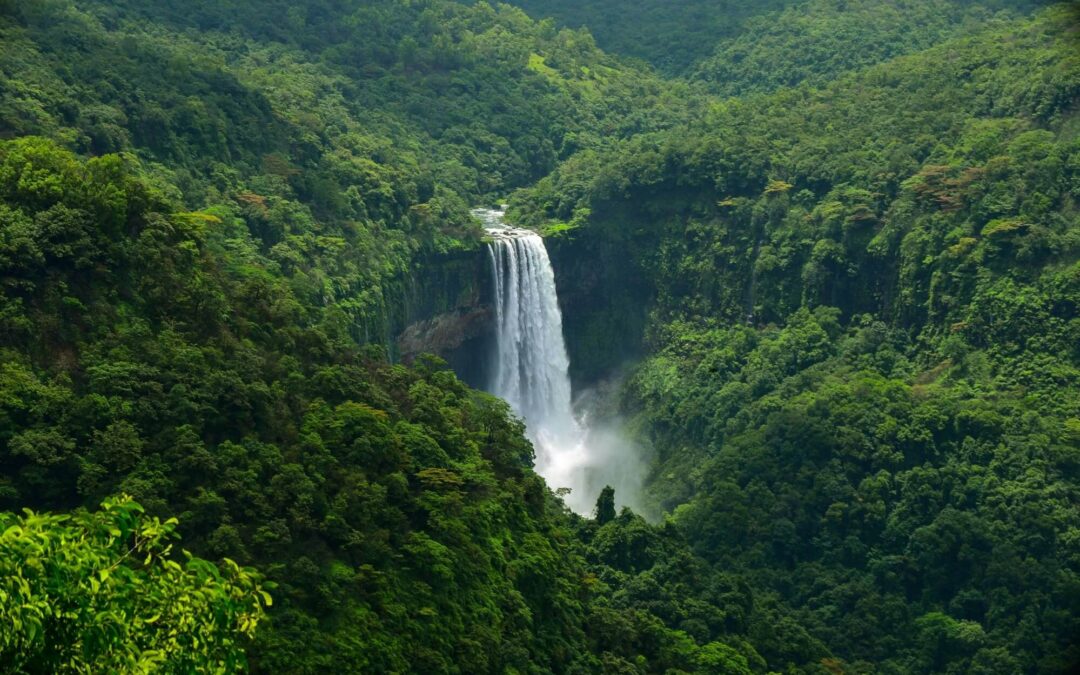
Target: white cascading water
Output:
[(531, 373)]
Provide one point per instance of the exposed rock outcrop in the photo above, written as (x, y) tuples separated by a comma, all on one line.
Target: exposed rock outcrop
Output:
[(446, 333), (446, 311)]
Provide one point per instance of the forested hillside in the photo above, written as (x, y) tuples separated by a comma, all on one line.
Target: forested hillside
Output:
[(818, 40), (840, 240), (207, 224), (476, 99), (862, 387), (672, 35)]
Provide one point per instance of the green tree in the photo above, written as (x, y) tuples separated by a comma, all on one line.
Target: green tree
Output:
[(605, 505), (101, 592)]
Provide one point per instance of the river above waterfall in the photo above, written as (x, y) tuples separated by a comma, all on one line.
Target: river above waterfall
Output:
[(530, 370)]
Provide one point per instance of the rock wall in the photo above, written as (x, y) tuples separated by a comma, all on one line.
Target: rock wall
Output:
[(446, 310), (604, 300)]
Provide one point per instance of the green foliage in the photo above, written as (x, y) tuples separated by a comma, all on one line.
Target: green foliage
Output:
[(394, 508), (660, 608), (896, 211), (671, 35), (857, 300), (867, 492), (861, 337), (99, 592), (178, 367), (816, 41), (383, 111), (605, 506)]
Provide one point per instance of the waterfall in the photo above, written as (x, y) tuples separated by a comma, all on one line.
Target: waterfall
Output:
[(530, 372), (530, 363)]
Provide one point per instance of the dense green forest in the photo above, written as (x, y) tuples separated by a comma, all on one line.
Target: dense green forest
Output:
[(863, 372), (672, 35), (817, 40), (826, 255)]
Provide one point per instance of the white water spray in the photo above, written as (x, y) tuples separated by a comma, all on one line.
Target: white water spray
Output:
[(531, 373)]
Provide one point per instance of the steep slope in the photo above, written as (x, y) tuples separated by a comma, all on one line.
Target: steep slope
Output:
[(859, 305), (145, 351), (862, 309), (352, 143), (194, 310), (482, 98), (818, 40), (148, 350), (672, 35)]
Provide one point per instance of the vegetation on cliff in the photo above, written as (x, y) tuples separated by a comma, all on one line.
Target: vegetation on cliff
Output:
[(852, 274), (862, 388)]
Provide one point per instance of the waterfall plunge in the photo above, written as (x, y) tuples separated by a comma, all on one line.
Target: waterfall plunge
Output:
[(530, 373)]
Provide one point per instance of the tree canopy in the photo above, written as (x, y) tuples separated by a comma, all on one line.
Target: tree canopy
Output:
[(99, 592), (824, 255)]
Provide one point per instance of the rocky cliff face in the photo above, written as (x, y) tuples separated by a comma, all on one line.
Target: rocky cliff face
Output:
[(604, 300), (460, 336), (448, 312)]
